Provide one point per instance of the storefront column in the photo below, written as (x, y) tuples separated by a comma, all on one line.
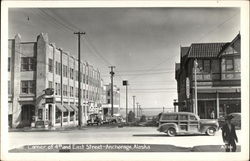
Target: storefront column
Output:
[(53, 113), (217, 105)]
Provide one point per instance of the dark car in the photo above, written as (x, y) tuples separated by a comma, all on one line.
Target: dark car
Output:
[(94, 119), (236, 120), (174, 123)]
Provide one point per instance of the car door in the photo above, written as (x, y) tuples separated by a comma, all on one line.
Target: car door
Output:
[(183, 122), (193, 124)]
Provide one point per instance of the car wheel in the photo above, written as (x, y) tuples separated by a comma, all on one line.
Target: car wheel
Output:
[(171, 132), (211, 131)]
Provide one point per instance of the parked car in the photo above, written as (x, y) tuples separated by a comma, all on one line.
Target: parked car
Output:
[(94, 119), (236, 120), (175, 123), (41, 124)]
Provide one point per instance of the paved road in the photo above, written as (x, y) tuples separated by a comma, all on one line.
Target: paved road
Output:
[(125, 135)]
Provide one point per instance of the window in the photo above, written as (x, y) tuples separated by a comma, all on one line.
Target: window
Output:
[(28, 87), (9, 59), (58, 68), (76, 75), (71, 73), (83, 78), (27, 64), (50, 84), (65, 93), (58, 88), (108, 101), (169, 117), (192, 117), (9, 87), (183, 117), (76, 95), (50, 65), (229, 65), (65, 71), (71, 91), (83, 93), (206, 66)]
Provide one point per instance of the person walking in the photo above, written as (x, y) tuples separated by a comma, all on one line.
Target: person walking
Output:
[(229, 135), (212, 115)]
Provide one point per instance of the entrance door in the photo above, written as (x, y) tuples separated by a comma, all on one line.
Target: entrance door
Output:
[(28, 111)]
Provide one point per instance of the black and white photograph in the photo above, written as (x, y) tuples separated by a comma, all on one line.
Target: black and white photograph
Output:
[(138, 80)]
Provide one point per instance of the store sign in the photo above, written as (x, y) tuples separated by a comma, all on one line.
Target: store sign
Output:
[(50, 100), (187, 87)]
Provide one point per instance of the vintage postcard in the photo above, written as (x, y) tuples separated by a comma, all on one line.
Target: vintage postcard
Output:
[(125, 80)]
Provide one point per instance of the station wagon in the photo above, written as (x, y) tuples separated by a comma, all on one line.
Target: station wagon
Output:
[(186, 123)]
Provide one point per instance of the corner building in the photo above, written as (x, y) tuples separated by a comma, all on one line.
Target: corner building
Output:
[(218, 78), (35, 66)]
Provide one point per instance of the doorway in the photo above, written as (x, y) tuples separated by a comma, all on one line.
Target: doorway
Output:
[(28, 111)]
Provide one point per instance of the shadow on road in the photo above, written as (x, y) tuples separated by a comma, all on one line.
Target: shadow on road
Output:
[(165, 135)]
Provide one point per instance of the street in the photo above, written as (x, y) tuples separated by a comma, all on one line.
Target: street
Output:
[(111, 135)]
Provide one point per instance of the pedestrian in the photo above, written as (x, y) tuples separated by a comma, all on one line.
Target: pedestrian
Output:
[(212, 114), (229, 135)]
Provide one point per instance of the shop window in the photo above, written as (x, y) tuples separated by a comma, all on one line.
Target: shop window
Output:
[(40, 114)]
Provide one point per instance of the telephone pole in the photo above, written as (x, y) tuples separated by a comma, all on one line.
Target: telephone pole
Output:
[(80, 121), (137, 109), (134, 104), (112, 103)]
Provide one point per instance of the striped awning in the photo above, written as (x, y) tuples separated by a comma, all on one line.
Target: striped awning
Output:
[(61, 108), (74, 107), (68, 108)]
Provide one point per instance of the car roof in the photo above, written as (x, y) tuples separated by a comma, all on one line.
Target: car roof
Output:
[(167, 113)]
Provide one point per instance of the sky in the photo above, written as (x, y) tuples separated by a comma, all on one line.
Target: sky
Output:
[(142, 43)]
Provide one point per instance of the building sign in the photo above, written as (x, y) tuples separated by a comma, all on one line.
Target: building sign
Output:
[(50, 100), (187, 87)]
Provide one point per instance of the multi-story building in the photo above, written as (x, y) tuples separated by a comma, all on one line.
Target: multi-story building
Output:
[(36, 66), (106, 100), (218, 78)]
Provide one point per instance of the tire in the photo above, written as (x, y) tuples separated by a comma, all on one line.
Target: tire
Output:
[(171, 132), (211, 131)]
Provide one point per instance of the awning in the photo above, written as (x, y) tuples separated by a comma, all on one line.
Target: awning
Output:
[(68, 108), (61, 108), (74, 107)]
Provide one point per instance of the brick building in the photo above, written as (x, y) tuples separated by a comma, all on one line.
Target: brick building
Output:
[(35, 66), (218, 78)]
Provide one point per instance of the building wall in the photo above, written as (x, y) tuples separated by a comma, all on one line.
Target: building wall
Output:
[(46, 75), (218, 89)]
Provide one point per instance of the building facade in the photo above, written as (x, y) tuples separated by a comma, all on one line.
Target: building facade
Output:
[(36, 66), (106, 100), (215, 68)]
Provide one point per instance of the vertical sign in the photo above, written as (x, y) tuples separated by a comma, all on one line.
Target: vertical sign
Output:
[(187, 87)]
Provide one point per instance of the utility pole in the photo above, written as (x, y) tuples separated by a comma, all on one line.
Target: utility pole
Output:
[(134, 104), (112, 103), (80, 121), (163, 109), (125, 83), (137, 109), (195, 87)]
